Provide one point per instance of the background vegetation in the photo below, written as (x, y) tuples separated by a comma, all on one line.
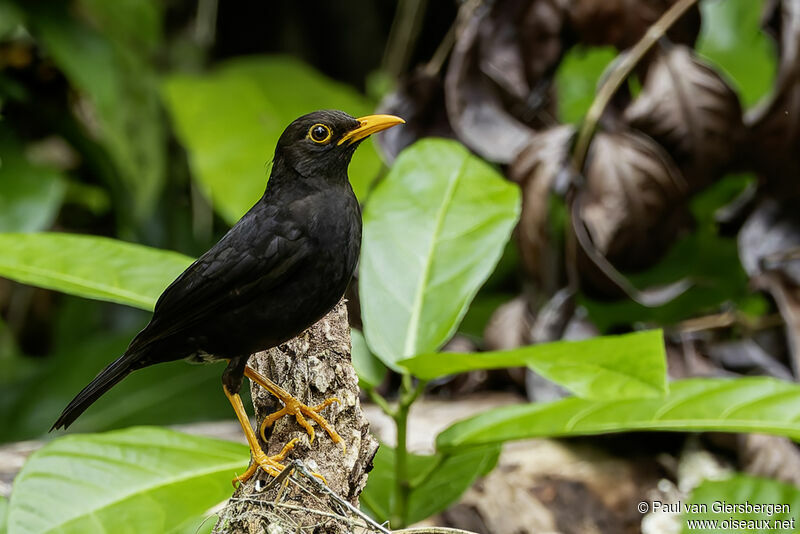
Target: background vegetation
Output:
[(515, 218)]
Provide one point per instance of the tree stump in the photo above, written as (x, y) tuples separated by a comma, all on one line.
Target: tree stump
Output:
[(313, 366)]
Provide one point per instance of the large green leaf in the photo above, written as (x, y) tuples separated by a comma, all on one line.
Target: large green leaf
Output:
[(141, 480), (30, 195), (230, 120), (118, 80), (92, 267), (731, 37), (436, 481), (612, 367), (433, 231), (709, 508), (761, 404)]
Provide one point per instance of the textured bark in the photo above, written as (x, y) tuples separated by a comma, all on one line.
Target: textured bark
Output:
[(314, 366)]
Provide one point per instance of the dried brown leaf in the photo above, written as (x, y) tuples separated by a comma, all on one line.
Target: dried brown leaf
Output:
[(497, 87), (510, 326), (746, 356), (770, 456), (689, 109), (535, 169), (768, 247), (621, 23), (632, 203)]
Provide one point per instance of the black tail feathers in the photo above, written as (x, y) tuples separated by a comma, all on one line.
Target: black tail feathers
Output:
[(108, 378)]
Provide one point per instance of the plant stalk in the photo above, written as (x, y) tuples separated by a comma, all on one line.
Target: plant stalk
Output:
[(620, 73), (408, 395)]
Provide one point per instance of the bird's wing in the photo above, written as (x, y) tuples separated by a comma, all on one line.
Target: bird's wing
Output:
[(248, 260)]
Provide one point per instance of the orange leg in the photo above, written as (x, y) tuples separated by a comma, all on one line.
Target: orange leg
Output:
[(292, 406), (270, 464)]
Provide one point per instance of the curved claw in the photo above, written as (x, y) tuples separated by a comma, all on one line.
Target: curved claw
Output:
[(270, 464), (292, 406)]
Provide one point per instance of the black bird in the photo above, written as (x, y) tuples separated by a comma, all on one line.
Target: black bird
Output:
[(281, 268)]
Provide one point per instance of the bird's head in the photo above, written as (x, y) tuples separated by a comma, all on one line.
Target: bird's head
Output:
[(321, 143)]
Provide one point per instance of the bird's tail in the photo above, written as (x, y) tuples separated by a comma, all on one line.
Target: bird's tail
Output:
[(105, 380)]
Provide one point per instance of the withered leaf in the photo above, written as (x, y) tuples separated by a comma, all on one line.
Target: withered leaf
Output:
[(769, 237), (631, 208), (509, 327), (536, 169), (769, 243), (747, 356), (632, 203), (770, 456), (621, 23), (419, 99), (688, 108), (497, 87)]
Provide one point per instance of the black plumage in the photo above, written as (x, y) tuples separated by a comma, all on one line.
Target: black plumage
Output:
[(281, 268)]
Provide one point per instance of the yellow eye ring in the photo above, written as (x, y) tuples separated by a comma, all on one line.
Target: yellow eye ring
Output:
[(319, 133)]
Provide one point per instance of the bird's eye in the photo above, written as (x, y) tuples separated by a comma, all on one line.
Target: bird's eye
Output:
[(319, 133)]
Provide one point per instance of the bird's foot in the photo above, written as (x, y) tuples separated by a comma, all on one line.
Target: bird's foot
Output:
[(292, 406), (270, 464)]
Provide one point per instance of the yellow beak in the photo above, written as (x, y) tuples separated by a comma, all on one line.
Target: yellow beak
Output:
[(369, 125)]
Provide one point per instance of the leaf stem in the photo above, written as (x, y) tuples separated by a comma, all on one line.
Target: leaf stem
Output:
[(408, 395), (620, 73), (403, 35), (381, 401)]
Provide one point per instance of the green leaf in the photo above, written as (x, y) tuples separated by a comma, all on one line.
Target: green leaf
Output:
[(436, 481), (603, 368), (433, 231), (92, 267), (369, 368), (3, 515), (577, 77), (230, 119), (142, 479), (30, 195), (123, 88), (731, 38), (709, 502), (764, 405), (134, 23)]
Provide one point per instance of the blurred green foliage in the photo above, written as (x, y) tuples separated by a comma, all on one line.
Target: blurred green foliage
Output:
[(30, 195), (438, 481), (577, 78), (732, 39)]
